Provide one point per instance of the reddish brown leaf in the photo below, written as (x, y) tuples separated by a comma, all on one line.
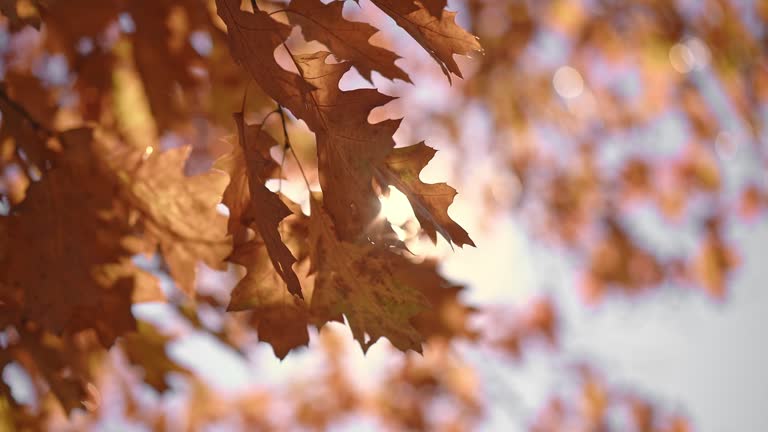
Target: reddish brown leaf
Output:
[(59, 365), (65, 254), (447, 317), (237, 195), (348, 146), (372, 287), (440, 36), (281, 319), (252, 204), (21, 129), (164, 56), (347, 40), (253, 39), (430, 201), (177, 212), (435, 7)]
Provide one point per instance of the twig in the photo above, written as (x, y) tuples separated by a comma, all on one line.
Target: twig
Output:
[(36, 125), (287, 146)]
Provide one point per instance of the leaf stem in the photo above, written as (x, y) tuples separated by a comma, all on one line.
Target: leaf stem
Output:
[(287, 146), (36, 125)]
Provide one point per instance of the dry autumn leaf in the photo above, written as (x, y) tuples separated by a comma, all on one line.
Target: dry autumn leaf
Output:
[(440, 36), (77, 249), (21, 131), (237, 196), (314, 97), (430, 201), (147, 348), (252, 204), (176, 212), (350, 151), (349, 147), (368, 284), (281, 319), (346, 39), (435, 7)]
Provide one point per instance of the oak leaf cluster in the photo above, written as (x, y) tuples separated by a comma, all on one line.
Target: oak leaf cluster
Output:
[(92, 185)]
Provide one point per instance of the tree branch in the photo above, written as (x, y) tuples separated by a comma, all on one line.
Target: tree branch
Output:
[(287, 146), (20, 110)]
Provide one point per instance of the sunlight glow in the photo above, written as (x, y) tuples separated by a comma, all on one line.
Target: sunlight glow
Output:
[(395, 208)]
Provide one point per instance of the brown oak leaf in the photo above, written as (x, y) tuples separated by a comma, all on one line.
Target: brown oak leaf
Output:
[(439, 35), (65, 260), (347, 40), (177, 212), (237, 195), (349, 147), (165, 57), (435, 7), (59, 365), (253, 38), (368, 284), (280, 319), (21, 129), (251, 204), (68, 22), (430, 201), (447, 317)]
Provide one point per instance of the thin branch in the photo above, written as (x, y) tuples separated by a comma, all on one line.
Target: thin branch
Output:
[(287, 146), (36, 125), (269, 114), (27, 117), (286, 139), (311, 94)]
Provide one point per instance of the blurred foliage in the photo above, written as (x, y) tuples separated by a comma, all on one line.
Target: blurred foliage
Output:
[(608, 109)]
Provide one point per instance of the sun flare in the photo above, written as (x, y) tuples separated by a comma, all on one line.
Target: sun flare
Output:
[(395, 208)]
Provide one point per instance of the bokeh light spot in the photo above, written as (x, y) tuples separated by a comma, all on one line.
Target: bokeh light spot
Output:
[(396, 208), (568, 82), (681, 57)]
